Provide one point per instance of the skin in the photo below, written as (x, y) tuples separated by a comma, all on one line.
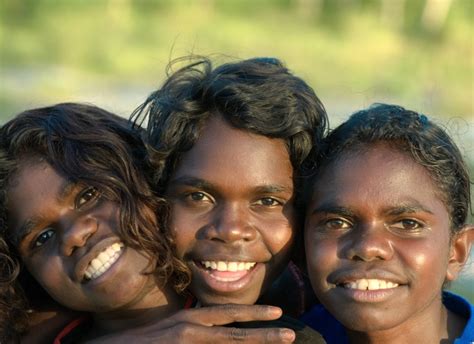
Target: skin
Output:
[(69, 225), (376, 214), (68, 229), (232, 200)]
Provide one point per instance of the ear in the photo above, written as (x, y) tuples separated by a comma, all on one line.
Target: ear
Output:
[(460, 250)]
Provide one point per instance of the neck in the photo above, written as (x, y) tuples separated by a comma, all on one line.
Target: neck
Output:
[(429, 326), (158, 305)]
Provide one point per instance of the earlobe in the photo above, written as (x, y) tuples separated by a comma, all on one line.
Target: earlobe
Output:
[(460, 250)]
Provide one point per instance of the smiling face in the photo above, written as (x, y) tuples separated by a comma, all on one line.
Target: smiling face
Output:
[(232, 212), (377, 241), (67, 239)]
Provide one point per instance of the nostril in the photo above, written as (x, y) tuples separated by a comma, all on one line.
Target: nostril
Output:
[(230, 232)]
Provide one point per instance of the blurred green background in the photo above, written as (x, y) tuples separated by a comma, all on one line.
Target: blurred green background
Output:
[(113, 53)]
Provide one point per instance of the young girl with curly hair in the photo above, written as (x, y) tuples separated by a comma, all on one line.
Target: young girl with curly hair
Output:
[(80, 225)]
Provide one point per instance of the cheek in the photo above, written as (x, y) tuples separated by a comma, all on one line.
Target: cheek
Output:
[(429, 260), (278, 235), (184, 231), (49, 274), (321, 257)]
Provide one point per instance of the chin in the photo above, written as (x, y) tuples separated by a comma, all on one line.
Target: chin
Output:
[(366, 323), (209, 300)]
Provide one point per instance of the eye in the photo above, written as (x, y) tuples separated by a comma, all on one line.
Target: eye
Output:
[(337, 224), (43, 237), (86, 196), (407, 225), (198, 197), (268, 202)]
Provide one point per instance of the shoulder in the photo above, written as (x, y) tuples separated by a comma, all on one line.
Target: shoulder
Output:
[(322, 321), (464, 309)]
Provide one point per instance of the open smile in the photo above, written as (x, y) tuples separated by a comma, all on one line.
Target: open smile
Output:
[(226, 276), (103, 261), (368, 284)]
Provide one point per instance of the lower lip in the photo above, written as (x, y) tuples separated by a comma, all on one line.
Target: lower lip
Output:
[(369, 296), (226, 282), (102, 278)]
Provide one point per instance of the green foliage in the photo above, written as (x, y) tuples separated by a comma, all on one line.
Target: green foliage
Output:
[(347, 49)]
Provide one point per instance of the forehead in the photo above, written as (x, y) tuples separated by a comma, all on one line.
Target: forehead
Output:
[(34, 188), (223, 151), (34, 174), (378, 172)]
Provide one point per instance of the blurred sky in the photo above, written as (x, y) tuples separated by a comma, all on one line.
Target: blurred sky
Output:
[(113, 53)]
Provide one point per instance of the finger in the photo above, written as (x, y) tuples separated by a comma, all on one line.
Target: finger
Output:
[(224, 314), (188, 333)]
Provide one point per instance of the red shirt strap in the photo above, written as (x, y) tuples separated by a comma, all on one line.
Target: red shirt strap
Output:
[(68, 328), (190, 302)]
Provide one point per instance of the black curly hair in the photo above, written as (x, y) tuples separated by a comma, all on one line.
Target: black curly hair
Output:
[(414, 134), (259, 95)]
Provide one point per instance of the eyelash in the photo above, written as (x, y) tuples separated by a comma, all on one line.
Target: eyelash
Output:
[(205, 198), (198, 197), (274, 202), (36, 241), (418, 225), (334, 224), (90, 194), (342, 224)]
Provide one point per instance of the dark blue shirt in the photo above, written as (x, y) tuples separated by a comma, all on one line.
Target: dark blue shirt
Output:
[(334, 333)]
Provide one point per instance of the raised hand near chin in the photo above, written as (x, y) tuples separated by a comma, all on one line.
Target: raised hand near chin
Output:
[(206, 325)]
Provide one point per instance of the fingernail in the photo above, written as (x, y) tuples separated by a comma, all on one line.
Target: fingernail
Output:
[(288, 336), (274, 310)]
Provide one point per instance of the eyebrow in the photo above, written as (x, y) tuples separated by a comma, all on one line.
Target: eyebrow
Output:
[(207, 186), (192, 181), (331, 208), (412, 207), (272, 188), (66, 190), (29, 224)]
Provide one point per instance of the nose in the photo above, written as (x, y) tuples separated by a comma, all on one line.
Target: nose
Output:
[(369, 243), (75, 234), (231, 223)]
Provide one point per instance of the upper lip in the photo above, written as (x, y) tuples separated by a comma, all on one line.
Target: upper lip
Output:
[(348, 275), (230, 254), (225, 259), (93, 252)]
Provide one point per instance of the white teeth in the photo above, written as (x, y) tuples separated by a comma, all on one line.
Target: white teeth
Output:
[(103, 257), (96, 264), (370, 284), (103, 261), (227, 266), (232, 266), (221, 266), (373, 284)]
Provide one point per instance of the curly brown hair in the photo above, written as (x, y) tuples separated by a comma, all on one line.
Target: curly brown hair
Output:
[(84, 144)]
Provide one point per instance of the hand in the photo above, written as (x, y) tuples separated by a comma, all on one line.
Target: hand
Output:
[(204, 325)]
